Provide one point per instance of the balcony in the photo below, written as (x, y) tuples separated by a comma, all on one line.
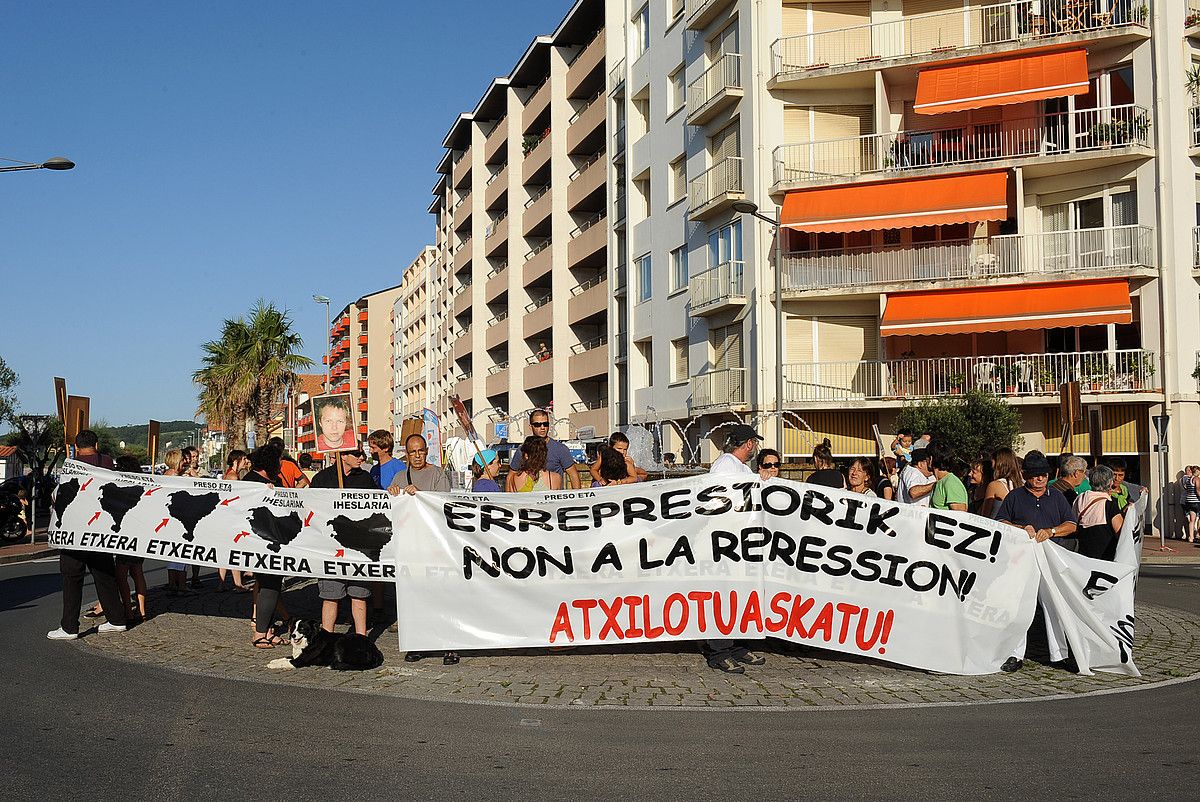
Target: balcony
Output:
[(362, 361), (701, 12), (495, 236), (980, 30), (1115, 133), (591, 57), (535, 160), (539, 101), (719, 88), (495, 141), (585, 122), (538, 262), (362, 316), (462, 299), (719, 388), (462, 256), (718, 289), (497, 380), (587, 240), (591, 414), (1191, 22), (1196, 248), (588, 299), (497, 185), (1008, 258), (462, 346), (497, 283), (1098, 372), (539, 315), (462, 213), (362, 384), (618, 143), (414, 346), (587, 180), (589, 360), (1194, 127), (463, 388), (716, 189), (497, 331), (537, 210), (538, 372), (461, 173), (362, 339)]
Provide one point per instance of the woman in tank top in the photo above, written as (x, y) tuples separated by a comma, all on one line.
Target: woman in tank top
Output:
[(533, 476)]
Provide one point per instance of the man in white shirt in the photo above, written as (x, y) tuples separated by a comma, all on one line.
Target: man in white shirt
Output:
[(742, 441), (917, 480)]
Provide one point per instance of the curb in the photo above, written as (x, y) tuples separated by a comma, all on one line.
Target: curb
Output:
[(6, 559)]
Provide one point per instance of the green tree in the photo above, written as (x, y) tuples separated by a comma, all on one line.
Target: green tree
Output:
[(8, 393), (274, 357), (974, 424), (226, 389)]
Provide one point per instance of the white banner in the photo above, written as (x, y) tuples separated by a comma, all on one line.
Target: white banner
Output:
[(701, 558)]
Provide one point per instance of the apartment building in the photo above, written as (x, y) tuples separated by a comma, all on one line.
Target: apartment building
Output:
[(413, 340), (991, 195), (522, 222)]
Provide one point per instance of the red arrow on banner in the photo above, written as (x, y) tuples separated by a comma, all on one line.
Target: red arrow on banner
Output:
[(92, 520), (85, 484), (152, 491), (240, 535), (340, 553), (308, 519), (165, 521), (229, 501)]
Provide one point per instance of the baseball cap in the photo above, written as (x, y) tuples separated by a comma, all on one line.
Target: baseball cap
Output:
[(485, 458), (1036, 464), (743, 432)]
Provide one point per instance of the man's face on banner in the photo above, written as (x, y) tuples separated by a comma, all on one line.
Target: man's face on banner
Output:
[(333, 423)]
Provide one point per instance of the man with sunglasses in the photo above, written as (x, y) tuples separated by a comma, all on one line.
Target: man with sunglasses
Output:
[(558, 456)]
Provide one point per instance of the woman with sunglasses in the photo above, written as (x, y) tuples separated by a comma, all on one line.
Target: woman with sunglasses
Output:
[(768, 464)]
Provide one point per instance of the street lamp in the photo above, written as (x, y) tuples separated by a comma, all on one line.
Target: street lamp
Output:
[(751, 208), (321, 299), (56, 163)]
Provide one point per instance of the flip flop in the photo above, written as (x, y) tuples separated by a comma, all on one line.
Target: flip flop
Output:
[(94, 613), (264, 642)]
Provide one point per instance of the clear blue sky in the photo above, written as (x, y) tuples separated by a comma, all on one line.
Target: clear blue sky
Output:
[(225, 151)]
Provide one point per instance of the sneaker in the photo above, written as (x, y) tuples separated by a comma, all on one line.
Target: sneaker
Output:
[(1012, 665), (749, 658), (106, 627), (728, 665), (62, 634)]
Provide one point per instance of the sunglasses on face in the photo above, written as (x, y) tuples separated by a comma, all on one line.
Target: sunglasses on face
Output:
[(539, 424), (770, 465)]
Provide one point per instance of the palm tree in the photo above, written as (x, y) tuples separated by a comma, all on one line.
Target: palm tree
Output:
[(272, 358), (224, 392)]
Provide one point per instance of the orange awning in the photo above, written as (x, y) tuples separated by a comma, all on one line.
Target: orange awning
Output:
[(901, 203), (1001, 82), (1011, 308)]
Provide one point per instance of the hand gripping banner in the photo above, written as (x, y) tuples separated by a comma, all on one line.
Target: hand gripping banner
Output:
[(706, 557)]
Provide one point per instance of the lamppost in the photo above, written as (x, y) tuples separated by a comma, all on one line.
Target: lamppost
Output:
[(321, 299), (751, 208), (56, 163)]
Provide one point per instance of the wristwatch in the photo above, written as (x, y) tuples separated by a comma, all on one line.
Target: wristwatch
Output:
[(1053, 531)]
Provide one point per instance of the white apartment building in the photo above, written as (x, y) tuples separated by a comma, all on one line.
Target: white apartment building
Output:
[(413, 339), (970, 195)]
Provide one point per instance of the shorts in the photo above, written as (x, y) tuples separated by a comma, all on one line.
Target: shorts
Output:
[(125, 559), (336, 589), (176, 566), (1191, 506)]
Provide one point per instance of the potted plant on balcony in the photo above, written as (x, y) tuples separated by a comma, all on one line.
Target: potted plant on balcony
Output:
[(1095, 370), (1047, 380), (1111, 133), (1011, 374), (528, 143), (1141, 369), (956, 381)]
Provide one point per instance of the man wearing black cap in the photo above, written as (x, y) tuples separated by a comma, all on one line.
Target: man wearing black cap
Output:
[(1045, 514), (732, 656)]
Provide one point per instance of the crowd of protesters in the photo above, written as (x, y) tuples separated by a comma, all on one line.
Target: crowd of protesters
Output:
[(1075, 506)]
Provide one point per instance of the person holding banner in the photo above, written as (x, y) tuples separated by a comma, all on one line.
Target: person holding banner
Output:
[(268, 588), (332, 591), (1044, 514), (380, 443), (917, 480), (485, 467), (732, 656), (73, 565)]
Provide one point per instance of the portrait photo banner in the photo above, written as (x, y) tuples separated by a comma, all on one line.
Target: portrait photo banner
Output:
[(701, 558)]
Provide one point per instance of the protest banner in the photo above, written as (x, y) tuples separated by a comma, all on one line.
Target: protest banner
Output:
[(705, 557)]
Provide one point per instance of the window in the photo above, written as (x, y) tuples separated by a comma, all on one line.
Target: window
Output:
[(641, 27), (676, 7), (679, 269), (641, 116), (679, 358), (645, 278), (725, 245), (641, 191), (646, 351), (679, 178), (676, 91)]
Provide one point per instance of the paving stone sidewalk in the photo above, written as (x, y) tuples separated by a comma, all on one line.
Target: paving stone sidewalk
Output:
[(208, 633)]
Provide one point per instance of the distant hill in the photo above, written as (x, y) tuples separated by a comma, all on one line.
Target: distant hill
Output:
[(136, 433)]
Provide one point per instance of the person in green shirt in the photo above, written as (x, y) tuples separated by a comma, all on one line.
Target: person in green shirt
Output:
[(949, 493)]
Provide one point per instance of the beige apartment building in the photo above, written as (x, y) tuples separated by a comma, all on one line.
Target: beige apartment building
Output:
[(522, 222), (414, 339)]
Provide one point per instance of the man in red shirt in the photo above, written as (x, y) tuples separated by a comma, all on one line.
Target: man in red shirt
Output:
[(73, 564)]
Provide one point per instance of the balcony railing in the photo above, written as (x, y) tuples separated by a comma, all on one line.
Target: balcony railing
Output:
[(1196, 247), (619, 140), (587, 104), (539, 302), (982, 259), (949, 32), (725, 73), (1045, 135), (588, 345), (721, 283), (1194, 119), (726, 387), (722, 178), (1125, 371)]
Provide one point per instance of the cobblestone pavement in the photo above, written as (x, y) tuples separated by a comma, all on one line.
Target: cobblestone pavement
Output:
[(208, 633)]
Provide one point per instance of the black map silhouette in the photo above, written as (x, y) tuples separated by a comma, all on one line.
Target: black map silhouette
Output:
[(277, 530), (117, 500), (368, 536), (191, 508), (63, 496)]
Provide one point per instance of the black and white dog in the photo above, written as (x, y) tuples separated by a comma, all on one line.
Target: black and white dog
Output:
[(313, 646)]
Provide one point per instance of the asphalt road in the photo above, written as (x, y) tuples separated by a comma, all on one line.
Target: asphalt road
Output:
[(76, 723)]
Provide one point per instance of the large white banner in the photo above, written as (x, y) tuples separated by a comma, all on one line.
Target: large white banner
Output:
[(706, 557)]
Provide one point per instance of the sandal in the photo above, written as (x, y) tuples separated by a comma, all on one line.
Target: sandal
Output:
[(263, 642), (95, 612), (450, 659)]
